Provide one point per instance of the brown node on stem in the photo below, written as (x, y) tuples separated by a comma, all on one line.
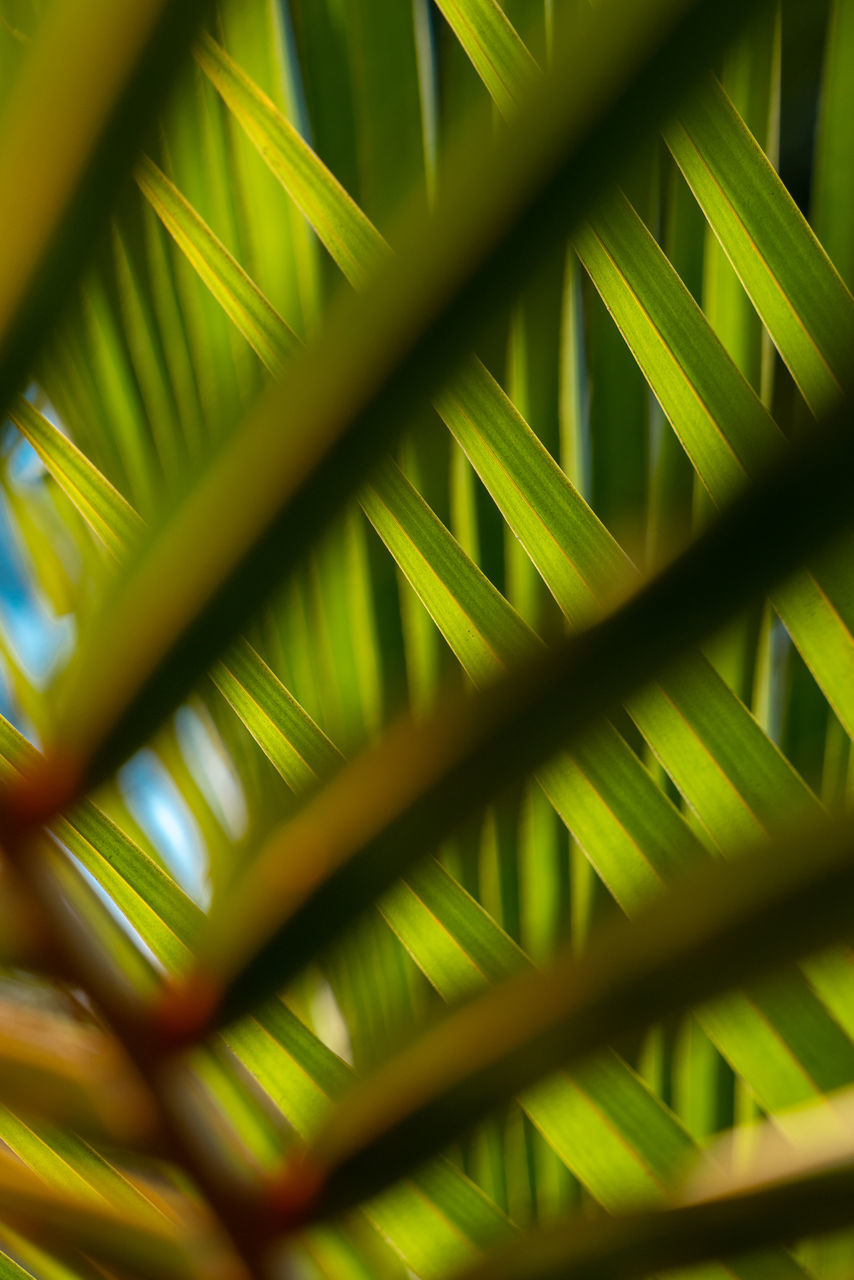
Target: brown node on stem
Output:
[(183, 1010), (47, 788)]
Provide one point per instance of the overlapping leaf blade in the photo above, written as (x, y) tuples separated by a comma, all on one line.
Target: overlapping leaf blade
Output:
[(780, 1037), (434, 912), (202, 616), (691, 721)]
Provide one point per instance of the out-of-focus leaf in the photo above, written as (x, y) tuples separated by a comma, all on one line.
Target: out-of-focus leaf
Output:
[(436, 772), (435, 1220), (300, 751), (615, 1136), (354, 244), (454, 941), (138, 1242), (189, 230), (722, 424), (54, 1067), (572, 812), (435, 918), (798, 293), (731, 1226), (719, 419), (10, 1270), (459, 261), (166, 919), (83, 97), (720, 928), (576, 557), (578, 561), (501, 59)]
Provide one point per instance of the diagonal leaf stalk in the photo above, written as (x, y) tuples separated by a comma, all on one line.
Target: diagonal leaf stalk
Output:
[(734, 797), (301, 1073), (400, 519), (52, 1066), (498, 54), (89, 87), (717, 928), (691, 718), (435, 773), (70, 958), (493, 220), (787, 274), (140, 1243), (813, 1196), (415, 1269), (722, 425), (808, 312), (573, 552), (165, 918), (454, 942), (481, 628), (794, 287), (301, 752), (571, 549)]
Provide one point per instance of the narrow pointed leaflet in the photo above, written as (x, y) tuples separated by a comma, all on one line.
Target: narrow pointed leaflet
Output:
[(483, 239)]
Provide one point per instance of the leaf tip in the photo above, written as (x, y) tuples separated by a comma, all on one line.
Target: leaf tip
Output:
[(48, 787)]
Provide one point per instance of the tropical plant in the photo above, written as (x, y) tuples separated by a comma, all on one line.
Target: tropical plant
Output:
[(425, 776)]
